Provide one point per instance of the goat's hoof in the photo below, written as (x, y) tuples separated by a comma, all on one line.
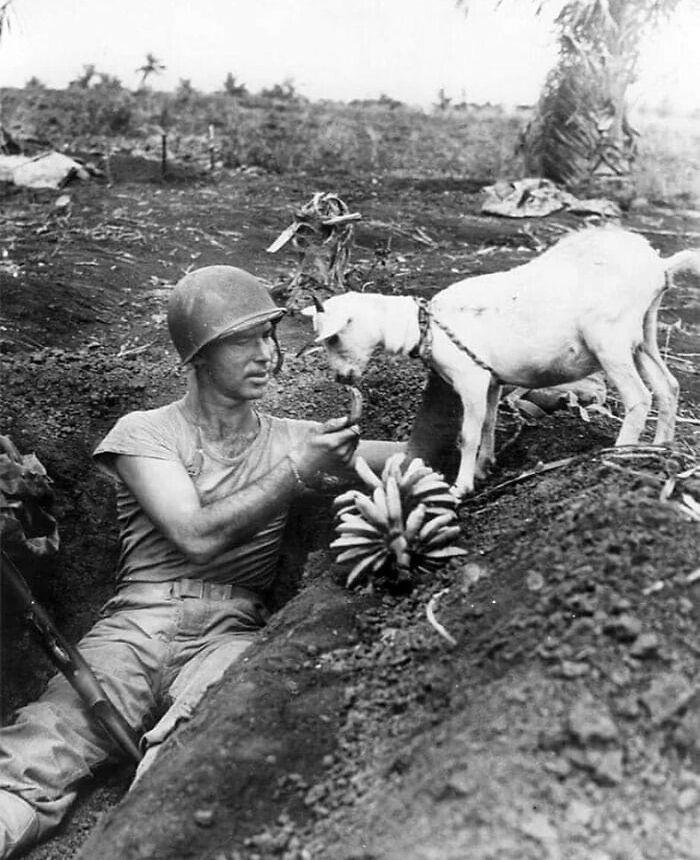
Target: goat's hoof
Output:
[(458, 493), (482, 473)]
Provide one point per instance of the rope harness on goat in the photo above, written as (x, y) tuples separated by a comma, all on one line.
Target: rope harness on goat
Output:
[(424, 347)]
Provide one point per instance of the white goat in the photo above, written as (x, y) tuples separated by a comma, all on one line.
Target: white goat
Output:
[(589, 302)]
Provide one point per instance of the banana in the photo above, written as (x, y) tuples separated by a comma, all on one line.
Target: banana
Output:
[(431, 528), (356, 404), (410, 479), (347, 511), (351, 541), (356, 553), (414, 521), (399, 547), (393, 503), (345, 498), (371, 513), (365, 473), (447, 500), (445, 552), (392, 466), (415, 463), (356, 526), (430, 484), (445, 536), (379, 499), (365, 565)]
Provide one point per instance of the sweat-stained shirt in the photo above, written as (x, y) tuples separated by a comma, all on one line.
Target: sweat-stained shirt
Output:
[(170, 433)]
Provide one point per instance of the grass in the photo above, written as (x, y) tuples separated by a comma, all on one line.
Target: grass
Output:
[(292, 134)]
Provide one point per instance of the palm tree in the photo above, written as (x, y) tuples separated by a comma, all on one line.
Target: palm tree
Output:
[(152, 66), (580, 127), (4, 16)]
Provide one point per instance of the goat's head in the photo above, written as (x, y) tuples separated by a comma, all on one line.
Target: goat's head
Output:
[(349, 328)]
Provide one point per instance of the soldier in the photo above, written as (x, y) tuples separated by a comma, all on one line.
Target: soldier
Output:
[(203, 485)]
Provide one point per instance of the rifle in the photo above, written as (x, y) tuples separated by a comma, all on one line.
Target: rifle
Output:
[(71, 663)]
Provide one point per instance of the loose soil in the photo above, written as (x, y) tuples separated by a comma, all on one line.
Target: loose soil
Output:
[(565, 721)]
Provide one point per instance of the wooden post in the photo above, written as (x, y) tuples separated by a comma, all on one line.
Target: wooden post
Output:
[(163, 154), (212, 153)]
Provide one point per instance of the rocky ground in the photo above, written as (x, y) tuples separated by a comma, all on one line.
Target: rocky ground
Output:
[(563, 723)]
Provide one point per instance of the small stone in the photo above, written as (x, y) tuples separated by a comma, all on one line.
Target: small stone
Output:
[(538, 827), (460, 784), (688, 778), (688, 799), (667, 694), (590, 722), (623, 627), (685, 606), (621, 604), (689, 839), (534, 580), (645, 645), (579, 812), (627, 706), (559, 766), (204, 817), (620, 676), (518, 696), (607, 767), (574, 669)]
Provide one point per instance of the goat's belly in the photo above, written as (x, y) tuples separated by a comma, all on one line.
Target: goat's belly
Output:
[(538, 371)]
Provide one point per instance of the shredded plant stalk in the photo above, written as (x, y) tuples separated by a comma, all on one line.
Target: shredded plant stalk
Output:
[(432, 620)]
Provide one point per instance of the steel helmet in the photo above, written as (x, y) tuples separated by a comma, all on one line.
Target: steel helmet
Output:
[(213, 302)]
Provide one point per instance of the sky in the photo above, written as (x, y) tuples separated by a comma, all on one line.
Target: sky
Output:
[(336, 49)]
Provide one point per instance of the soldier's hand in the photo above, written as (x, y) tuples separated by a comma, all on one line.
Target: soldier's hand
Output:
[(330, 448)]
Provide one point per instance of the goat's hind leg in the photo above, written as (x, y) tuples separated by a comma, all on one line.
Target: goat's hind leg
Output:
[(656, 374), (618, 364), (666, 395)]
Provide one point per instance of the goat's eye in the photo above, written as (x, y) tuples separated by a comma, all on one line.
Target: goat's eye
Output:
[(332, 340)]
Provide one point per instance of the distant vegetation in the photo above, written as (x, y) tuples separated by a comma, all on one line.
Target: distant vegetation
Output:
[(278, 130)]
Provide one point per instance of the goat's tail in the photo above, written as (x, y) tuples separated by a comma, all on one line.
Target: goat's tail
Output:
[(683, 261)]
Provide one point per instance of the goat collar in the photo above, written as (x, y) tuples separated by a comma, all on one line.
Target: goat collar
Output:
[(424, 348)]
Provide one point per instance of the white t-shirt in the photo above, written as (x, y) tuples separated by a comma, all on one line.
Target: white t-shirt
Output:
[(170, 433)]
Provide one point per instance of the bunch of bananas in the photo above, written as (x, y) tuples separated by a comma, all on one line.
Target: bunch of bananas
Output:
[(406, 525)]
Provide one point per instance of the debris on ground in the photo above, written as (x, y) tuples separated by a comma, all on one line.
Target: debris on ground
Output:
[(48, 170), (322, 234), (534, 197)]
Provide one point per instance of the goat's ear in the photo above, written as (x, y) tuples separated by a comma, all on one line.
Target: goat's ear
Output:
[(309, 311), (328, 328)]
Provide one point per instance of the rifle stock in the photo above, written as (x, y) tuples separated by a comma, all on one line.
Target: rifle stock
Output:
[(71, 663)]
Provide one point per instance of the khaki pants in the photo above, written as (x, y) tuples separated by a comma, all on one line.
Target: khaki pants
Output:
[(155, 656)]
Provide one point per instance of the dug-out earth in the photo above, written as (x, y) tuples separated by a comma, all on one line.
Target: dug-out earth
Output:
[(564, 722)]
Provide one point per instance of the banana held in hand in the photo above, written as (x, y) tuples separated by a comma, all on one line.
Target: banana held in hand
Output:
[(356, 404)]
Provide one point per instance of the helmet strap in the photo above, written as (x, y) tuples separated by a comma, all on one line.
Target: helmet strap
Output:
[(280, 355)]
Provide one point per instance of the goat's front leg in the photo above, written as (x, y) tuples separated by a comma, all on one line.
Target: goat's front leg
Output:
[(473, 391), (487, 447)]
